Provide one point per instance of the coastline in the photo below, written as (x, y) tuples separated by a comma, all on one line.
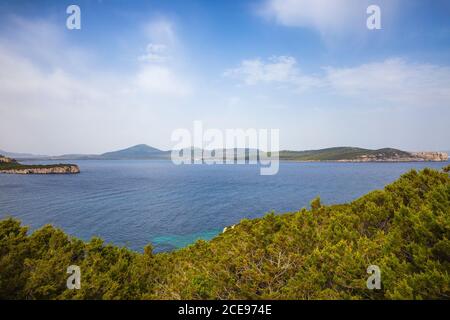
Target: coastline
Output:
[(59, 169)]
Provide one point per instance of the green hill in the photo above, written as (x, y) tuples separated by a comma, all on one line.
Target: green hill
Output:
[(140, 151), (343, 153), (321, 253)]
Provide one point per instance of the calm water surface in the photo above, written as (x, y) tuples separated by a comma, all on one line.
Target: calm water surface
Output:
[(134, 203)]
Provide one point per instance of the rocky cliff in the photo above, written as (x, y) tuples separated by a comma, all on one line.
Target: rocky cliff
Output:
[(431, 156), (60, 169), (410, 157), (11, 166)]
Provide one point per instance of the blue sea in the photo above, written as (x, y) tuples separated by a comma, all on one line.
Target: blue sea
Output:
[(133, 203)]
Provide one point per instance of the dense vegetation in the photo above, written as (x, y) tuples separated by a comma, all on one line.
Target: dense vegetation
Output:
[(321, 253), (145, 152), (341, 153), (14, 165)]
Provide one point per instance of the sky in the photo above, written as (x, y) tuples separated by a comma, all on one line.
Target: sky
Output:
[(138, 70)]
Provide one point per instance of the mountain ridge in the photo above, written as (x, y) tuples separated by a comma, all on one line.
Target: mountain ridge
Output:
[(342, 154)]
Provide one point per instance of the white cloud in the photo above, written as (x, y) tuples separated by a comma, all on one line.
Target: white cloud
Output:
[(278, 69), (281, 70), (328, 17), (156, 75), (160, 80), (324, 15), (155, 52), (162, 39), (54, 98), (24, 83), (392, 80)]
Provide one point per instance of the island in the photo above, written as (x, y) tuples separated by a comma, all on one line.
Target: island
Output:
[(11, 166)]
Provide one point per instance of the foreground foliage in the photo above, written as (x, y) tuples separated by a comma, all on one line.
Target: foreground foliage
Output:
[(322, 253)]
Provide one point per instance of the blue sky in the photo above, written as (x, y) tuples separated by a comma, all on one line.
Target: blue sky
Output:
[(137, 70)]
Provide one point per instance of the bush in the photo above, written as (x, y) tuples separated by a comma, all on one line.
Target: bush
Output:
[(321, 253)]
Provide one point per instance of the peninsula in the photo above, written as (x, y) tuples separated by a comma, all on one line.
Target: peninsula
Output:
[(9, 165), (352, 154)]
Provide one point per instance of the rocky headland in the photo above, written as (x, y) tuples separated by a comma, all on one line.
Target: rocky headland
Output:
[(11, 166)]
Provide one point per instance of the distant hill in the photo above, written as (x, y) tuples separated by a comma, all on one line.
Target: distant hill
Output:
[(345, 153), (74, 157), (17, 155), (140, 151)]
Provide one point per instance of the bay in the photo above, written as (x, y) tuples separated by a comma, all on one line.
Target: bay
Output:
[(136, 202)]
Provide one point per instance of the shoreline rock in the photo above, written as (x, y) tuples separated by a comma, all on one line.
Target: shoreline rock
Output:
[(431, 156), (11, 166), (415, 157), (63, 169)]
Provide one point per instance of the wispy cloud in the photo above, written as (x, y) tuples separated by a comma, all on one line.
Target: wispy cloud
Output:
[(154, 79), (162, 40), (155, 52), (48, 85), (276, 69), (395, 80), (392, 80), (328, 17), (155, 74), (67, 92), (161, 30), (325, 15)]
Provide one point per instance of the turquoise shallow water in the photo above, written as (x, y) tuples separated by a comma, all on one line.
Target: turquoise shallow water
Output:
[(133, 203)]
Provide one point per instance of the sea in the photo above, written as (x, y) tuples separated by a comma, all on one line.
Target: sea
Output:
[(133, 203)]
